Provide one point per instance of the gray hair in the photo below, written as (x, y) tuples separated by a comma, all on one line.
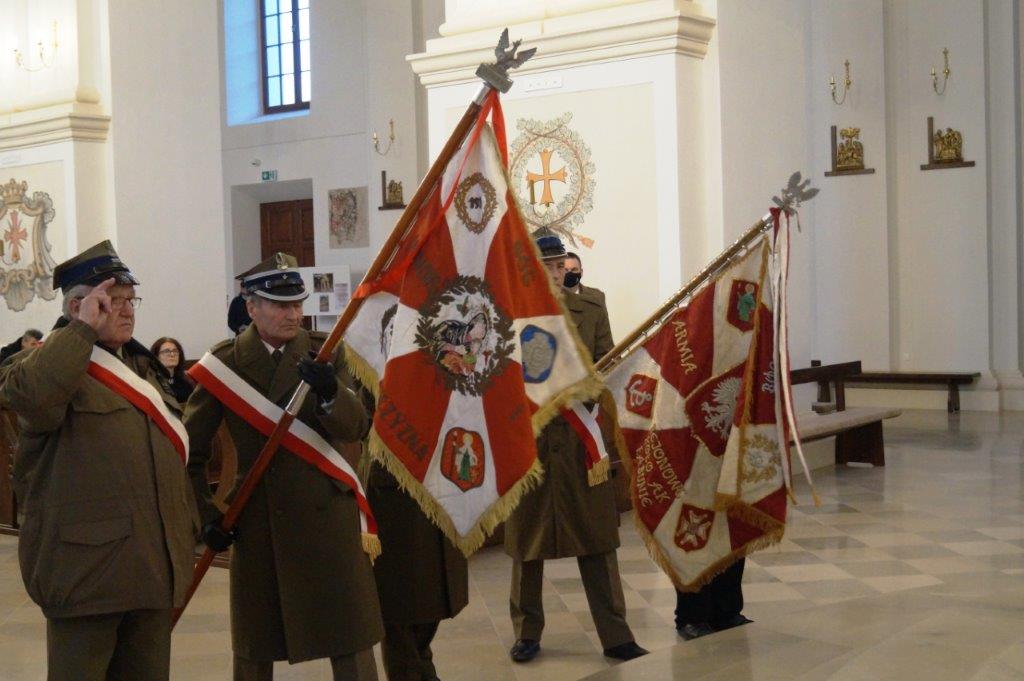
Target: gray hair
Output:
[(77, 291)]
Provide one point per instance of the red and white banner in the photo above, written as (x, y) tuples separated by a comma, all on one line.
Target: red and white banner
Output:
[(700, 409), (114, 374), (254, 408), (466, 345)]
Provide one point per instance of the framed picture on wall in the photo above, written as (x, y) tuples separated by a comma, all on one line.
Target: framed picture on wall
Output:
[(330, 286), (348, 222)]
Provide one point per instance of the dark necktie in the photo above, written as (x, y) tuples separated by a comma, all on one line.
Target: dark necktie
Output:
[(276, 355)]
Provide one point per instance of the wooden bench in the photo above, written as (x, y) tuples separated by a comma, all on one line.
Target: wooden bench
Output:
[(858, 430), (827, 377), (950, 381)]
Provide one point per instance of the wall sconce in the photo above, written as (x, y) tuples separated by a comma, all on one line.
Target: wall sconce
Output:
[(945, 74), (44, 63), (846, 84), (391, 139)]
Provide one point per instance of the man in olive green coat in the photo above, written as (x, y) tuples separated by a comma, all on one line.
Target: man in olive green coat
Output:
[(421, 577), (301, 585), (564, 516), (106, 547)]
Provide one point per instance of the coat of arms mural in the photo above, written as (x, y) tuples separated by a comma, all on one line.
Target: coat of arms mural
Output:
[(26, 266), (552, 175)]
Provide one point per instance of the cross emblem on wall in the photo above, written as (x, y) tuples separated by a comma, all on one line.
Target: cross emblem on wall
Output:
[(545, 176)]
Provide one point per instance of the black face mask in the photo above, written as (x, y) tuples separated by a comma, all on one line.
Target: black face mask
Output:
[(572, 279)]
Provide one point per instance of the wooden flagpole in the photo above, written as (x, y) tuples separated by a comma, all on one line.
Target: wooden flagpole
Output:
[(618, 353), (793, 195), (495, 77)]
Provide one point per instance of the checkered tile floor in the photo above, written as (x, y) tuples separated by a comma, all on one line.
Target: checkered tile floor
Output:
[(945, 516)]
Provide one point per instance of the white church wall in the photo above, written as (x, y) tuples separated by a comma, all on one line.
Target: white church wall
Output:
[(941, 261), (905, 269), (167, 165), (764, 52), (850, 230), (1003, 95), (53, 129), (359, 82)]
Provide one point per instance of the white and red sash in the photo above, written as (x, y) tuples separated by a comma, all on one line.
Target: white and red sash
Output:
[(584, 423), (251, 406), (114, 374)]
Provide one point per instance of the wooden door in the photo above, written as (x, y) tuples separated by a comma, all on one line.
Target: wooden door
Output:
[(287, 226)]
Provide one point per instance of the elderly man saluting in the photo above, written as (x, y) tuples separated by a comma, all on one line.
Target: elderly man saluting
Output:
[(106, 548)]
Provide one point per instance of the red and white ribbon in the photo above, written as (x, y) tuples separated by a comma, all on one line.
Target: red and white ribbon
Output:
[(251, 406), (114, 374), (584, 423)]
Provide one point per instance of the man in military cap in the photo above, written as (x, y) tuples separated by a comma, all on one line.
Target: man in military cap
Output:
[(564, 516), (301, 585), (106, 548)]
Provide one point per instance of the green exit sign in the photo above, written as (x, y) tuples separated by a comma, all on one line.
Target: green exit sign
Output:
[(268, 176)]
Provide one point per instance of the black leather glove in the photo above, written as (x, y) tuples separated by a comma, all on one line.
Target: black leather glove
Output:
[(320, 376), (216, 537)]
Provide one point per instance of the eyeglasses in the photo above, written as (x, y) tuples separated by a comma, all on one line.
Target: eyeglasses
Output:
[(117, 302), (169, 351)]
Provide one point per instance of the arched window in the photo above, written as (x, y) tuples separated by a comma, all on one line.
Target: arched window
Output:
[(286, 63)]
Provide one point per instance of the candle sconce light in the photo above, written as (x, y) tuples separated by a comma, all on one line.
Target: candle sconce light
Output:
[(945, 74), (45, 61), (391, 139), (846, 84)]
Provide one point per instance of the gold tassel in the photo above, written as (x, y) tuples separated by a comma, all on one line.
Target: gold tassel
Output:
[(371, 545), (599, 472)]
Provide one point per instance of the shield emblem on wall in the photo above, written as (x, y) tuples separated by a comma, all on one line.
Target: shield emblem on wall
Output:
[(26, 267)]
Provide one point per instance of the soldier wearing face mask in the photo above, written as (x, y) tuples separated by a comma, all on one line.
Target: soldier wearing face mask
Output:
[(573, 283)]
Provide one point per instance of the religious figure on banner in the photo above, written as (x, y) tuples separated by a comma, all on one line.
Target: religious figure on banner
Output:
[(27, 267)]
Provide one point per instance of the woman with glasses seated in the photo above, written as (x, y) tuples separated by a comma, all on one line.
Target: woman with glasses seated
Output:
[(172, 357)]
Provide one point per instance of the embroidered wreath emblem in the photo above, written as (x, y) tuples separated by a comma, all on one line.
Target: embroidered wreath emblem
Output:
[(466, 335), (475, 202), (551, 154)]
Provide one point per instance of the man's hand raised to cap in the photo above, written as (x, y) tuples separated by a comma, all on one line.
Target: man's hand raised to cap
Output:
[(97, 307)]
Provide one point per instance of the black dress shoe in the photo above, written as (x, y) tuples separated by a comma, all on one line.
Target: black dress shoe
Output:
[(625, 651), (692, 631), (524, 650), (734, 621)]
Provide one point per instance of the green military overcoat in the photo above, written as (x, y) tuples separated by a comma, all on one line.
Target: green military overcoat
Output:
[(421, 576), (301, 585), (564, 516), (110, 522)]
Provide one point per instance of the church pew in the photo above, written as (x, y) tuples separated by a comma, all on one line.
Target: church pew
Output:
[(951, 381)]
